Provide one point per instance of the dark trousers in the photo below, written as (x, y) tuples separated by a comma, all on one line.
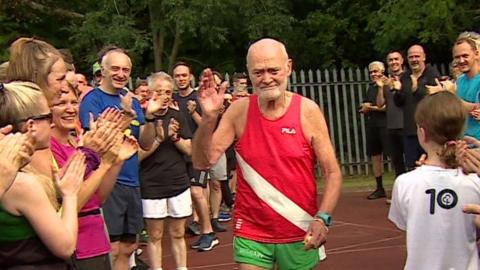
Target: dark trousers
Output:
[(395, 151), (412, 149)]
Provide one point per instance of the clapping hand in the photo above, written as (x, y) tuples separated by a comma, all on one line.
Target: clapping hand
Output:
[(173, 128), (16, 151), (99, 139), (468, 157), (124, 148), (433, 89), (383, 81), (70, 177), (155, 104), (191, 106)]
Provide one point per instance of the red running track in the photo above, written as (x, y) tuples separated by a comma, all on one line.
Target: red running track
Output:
[(361, 238)]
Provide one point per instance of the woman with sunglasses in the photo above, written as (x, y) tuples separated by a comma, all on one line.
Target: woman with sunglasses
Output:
[(38, 213), (101, 146)]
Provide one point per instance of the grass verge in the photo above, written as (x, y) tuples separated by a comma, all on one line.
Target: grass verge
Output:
[(362, 182)]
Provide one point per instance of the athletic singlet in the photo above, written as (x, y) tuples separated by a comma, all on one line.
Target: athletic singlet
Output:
[(278, 151), (14, 227), (20, 246)]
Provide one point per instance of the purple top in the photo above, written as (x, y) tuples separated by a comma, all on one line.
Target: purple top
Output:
[(92, 240)]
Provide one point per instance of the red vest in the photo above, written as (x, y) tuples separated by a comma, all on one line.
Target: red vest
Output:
[(278, 151)]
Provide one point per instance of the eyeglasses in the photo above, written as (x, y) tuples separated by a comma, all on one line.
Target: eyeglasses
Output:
[(47, 116)]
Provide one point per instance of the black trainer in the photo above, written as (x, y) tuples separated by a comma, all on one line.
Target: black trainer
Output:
[(217, 227), (206, 242), (377, 194), (193, 228)]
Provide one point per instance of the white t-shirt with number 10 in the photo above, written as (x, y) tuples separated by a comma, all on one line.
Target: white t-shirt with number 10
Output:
[(427, 203)]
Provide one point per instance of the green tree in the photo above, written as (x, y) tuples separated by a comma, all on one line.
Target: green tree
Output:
[(435, 23)]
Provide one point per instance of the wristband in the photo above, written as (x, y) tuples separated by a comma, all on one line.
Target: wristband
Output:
[(149, 120)]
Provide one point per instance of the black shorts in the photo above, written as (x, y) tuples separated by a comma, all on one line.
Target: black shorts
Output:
[(376, 140), (123, 213), (101, 262), (197, 178)]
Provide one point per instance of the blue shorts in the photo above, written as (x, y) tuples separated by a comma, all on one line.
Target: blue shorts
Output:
[(123, 212)]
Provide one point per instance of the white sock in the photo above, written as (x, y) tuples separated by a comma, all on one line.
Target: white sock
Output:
[(158, 268), (182, 268)]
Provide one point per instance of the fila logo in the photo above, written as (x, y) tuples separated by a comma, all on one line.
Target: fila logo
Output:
[(289, 131)]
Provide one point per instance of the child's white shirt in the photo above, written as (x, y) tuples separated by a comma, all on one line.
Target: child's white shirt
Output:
[(427, 203)]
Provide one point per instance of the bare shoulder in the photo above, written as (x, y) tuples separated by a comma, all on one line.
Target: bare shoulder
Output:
[(25, 182), (310, 109), (236, 115), (239, 105), (237, 109), (25, 189)]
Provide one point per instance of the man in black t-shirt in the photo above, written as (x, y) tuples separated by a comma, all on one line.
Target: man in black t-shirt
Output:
[(186, 99), (408, 93), (164, 180), (375, 127)]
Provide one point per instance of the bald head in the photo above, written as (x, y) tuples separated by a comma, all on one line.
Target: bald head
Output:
[(416, 48), (416, 58), (114, 54), (269, 68), (267, 47), (116, 69)]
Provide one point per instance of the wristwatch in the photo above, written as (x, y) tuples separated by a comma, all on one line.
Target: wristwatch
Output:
[(326, 218)]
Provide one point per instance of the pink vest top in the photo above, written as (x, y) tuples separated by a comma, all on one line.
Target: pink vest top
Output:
[(92, 239), (278, 151)]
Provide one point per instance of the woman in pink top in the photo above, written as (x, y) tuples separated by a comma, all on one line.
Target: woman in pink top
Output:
[(105, 150)]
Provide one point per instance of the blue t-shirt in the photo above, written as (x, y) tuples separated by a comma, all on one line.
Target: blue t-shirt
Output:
[(468, 89), (96, 101)]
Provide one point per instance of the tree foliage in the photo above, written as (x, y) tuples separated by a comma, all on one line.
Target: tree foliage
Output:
[(216, 33)]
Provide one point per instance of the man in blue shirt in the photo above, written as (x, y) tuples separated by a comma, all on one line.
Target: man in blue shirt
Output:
[(466, 56), (122, 209)]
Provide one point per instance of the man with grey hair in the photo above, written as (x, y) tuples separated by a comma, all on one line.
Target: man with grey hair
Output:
[(165, 185), (122, 209), (375, 127), (280, 137)]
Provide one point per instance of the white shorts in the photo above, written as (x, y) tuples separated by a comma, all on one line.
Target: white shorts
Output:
[(217, 171), (179, 206)]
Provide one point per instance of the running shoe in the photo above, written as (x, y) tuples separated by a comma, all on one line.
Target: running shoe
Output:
[(377, 194), (193, 228), (224, 216), (206, 242), (217, 227)]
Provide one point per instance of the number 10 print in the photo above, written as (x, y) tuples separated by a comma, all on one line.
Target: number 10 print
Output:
[(446, 199)]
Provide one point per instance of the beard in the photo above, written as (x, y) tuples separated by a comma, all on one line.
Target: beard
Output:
[(270, 95), (273, 94)]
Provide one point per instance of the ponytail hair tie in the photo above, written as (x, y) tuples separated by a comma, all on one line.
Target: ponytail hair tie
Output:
[(451, 143)]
